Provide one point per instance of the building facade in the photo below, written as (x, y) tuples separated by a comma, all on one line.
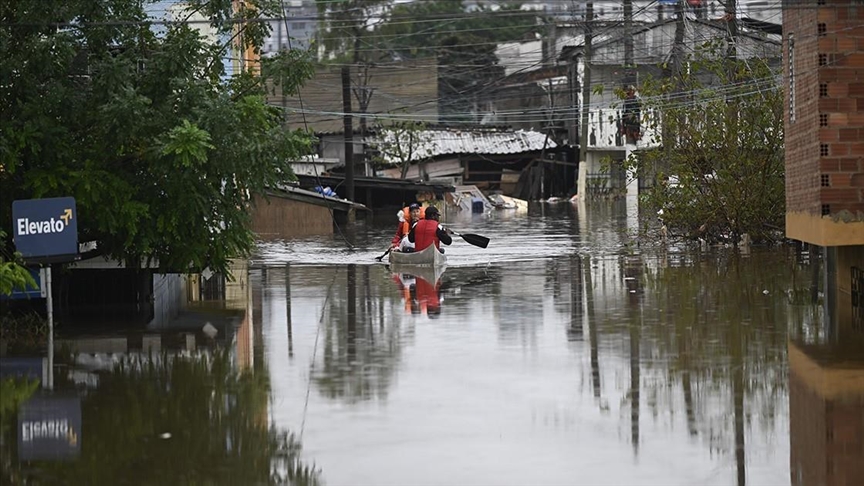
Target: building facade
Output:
[(823, 54)]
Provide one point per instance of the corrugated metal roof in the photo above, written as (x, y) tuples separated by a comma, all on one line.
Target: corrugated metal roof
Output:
[(432, 143)]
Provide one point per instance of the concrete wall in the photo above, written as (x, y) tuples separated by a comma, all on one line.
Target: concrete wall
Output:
[(281, 218), (169, 297), (396, 87), (826, 414)]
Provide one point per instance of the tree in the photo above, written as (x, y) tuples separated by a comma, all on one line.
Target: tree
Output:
[(214, 416), (719, 169), (162, 150), (345, 24), (404, 38), (401, 142), (13, 275), (463, 42)]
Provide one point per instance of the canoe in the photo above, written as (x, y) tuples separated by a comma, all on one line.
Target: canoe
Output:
[(429, 257), (428, 273)]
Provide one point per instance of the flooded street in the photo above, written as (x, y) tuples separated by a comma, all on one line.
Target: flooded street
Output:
[(561, 354), (567, 352)]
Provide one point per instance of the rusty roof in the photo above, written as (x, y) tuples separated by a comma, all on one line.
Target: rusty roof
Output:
[(431, 143)]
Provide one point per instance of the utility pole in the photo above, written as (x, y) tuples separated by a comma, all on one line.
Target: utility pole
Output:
[(732, 22), (731, 56), (349, 133), (673, 68), (586, 101), (628, 41)]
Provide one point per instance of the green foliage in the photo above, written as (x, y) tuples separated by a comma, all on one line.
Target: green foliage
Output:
[(13, 275), (720, 170), (177, 420), (399, 141), (24, 333), (462, 41), (344, 24), (162, 151), (445, 20)]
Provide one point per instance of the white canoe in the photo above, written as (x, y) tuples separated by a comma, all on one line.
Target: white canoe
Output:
[(429, 257), (427, 273)]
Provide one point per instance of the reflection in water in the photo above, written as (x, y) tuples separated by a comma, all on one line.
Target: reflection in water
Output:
[(420, 288), (602, 360), (359, 351), (188, 404), (173, 420), (826, 409), (632, 274)]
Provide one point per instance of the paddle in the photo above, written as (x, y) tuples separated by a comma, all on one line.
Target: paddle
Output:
[(379, 258), (475, 240)]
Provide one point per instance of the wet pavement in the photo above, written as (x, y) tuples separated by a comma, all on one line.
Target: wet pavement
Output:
[(567, 352)]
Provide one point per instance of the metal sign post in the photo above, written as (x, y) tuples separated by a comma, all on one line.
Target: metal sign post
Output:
[(50, 305), (45, 231)]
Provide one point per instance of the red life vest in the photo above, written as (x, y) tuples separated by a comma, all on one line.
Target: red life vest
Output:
[(427, 294), (425, 234)]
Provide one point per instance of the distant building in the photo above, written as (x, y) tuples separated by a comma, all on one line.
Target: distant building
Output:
[(609, 132), (396, 89), (294, 30)]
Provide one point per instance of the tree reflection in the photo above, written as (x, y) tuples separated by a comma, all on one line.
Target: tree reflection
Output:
[(177, 420), (358, 359), (728, 320)]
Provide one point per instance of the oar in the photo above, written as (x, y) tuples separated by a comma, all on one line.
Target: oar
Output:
[(379, 258), (475, 240)]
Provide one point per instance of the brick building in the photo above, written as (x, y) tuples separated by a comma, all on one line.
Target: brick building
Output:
[(826, 414), (823, 54)]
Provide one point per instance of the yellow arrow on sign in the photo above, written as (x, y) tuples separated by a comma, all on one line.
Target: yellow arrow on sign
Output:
[(67, 215)]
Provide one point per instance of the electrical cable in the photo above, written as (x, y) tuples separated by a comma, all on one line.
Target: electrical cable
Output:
[(315, 351), (306, 126)]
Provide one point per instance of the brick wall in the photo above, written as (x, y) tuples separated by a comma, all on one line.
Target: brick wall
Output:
[(282, 218), (397, 87), (806, 434), (825, 141), (826, 415)]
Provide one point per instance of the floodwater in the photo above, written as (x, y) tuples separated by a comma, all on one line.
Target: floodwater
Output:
[(570, 351)]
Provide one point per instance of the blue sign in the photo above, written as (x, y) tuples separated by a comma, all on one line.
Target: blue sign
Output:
[(30, 368), (45, 227), (49, 428), (29, 292)]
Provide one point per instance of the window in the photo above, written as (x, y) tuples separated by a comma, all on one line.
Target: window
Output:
[(823, 150), (823, 90), (826, 180), (298, 26), (823, 119), (791, 64), (823, 59), (822, 29), (826, 209)]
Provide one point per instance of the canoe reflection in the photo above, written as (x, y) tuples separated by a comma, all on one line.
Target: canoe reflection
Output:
[(421, 288)]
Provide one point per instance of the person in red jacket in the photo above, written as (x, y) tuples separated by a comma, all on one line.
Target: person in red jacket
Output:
[(428, 297), (407, 218), (429, 232)]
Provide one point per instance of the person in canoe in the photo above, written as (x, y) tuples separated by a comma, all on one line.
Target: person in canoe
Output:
[(429, 232), (408, 217)]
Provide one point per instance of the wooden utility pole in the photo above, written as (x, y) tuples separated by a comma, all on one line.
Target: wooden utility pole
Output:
[(628, 40), (586, 99), (349, 133), (732, 22)]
